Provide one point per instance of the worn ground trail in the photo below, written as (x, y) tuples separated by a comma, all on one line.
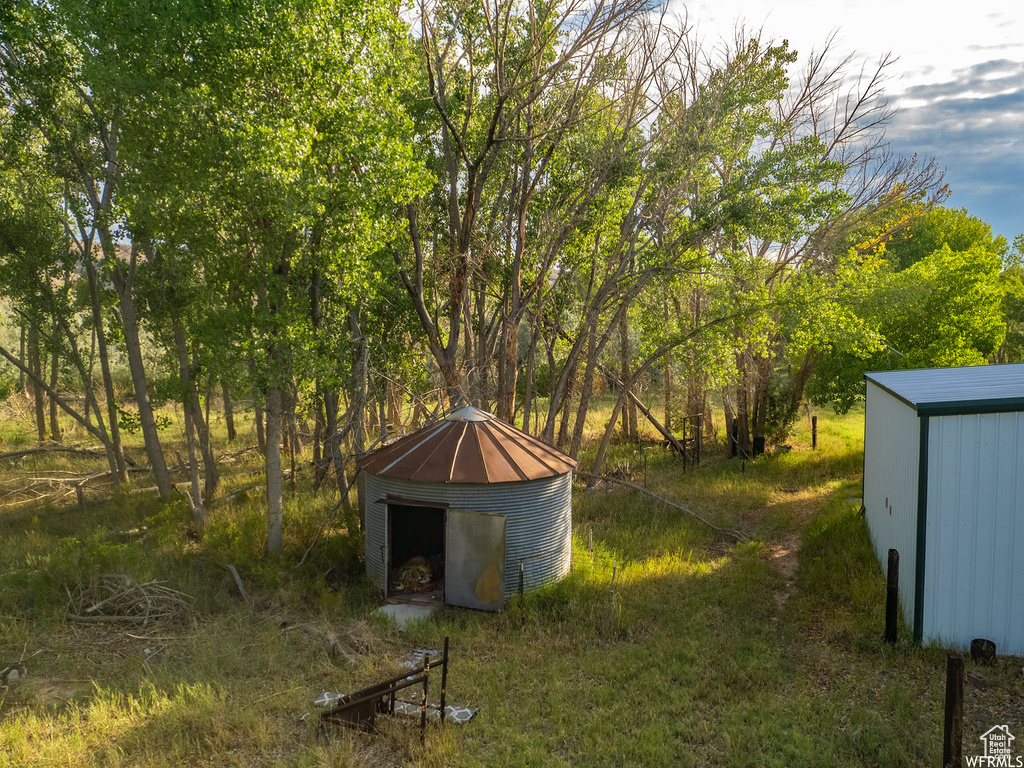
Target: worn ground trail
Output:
[(784, 556)]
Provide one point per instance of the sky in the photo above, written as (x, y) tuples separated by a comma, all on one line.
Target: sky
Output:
[(957, 84)]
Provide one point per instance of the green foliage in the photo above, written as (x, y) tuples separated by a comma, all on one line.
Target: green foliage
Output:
[(944, 310), (129, 421), (8, 383), (940, 227), (1012, 279)]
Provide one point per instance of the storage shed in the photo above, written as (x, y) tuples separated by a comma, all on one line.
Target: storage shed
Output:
[(469, 500), (944, 486)]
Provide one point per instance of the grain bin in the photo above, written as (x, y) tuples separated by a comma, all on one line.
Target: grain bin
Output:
[(944, 485), (475, 499)]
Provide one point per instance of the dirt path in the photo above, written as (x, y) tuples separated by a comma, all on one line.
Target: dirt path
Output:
[(783, 554), (783, 557)]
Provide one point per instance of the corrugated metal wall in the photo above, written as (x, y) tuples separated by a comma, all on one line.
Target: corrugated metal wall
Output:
[(974, 571), (891, 448), (539, 522)]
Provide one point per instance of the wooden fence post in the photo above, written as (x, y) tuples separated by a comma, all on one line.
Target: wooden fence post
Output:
[(953, 732), (892, 596), (423, 705), (444, 679)]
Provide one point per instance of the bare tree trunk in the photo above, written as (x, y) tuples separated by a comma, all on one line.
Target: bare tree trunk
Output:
[(382, 417), (211, 475), (595, 348), (258, 420), (108, 382), (667, 368), (548, 433), (290, 401), (742, 418), (394, 404), (585, 391), (319, 432), (190, 408), (667, 382), (606, 438), (90, 390), (803, 374), (567, 400), (22, 385), (360, 367), (85, 373), (419, 414), (327, 427), (761, 384), (730, 420), (741, 422), (476, 349), (35, 364), (630, 426), (229, 410), (54, 370), (275, 492), (530, 363), (123, 284)]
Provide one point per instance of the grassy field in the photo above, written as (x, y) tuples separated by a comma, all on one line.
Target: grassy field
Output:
[(705, 651)]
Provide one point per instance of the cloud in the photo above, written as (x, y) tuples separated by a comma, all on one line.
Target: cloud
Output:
[(972, 124)]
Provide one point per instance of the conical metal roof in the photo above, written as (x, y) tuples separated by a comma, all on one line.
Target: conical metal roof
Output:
[(468, 446)]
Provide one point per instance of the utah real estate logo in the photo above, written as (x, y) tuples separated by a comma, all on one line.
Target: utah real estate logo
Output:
[(998, 750)]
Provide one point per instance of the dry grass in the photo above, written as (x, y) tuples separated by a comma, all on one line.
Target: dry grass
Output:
[(672, 646)]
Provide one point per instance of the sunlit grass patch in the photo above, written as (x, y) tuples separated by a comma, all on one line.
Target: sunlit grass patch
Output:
[(670, 646)]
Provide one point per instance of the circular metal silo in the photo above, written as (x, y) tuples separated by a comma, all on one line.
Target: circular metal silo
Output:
[(483, 480)]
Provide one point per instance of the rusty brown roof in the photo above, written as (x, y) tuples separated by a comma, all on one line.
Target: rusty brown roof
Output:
[(468, 446)]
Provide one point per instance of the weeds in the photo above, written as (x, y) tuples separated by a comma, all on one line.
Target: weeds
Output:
[(668, 644)]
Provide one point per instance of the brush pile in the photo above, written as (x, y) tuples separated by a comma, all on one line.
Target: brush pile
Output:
[(118, 598)]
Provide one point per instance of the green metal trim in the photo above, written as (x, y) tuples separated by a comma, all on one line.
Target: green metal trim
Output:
[(922, 525), (969, 407)]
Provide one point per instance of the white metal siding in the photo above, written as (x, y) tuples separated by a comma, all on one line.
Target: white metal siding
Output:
[(974, 571), (892, 443), (539, 522)]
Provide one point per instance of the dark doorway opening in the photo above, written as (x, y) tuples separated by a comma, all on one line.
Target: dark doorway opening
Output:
[(416, 551)]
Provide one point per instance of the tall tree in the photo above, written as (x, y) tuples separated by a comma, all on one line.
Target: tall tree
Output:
[(64, 73)]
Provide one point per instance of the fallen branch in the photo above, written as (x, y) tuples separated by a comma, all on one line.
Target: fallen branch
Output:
[(81, 479), (725, 531), (238, 582), (55, 449), (123, 599)]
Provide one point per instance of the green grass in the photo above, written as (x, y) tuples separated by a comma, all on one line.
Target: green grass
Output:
[(672, 646)]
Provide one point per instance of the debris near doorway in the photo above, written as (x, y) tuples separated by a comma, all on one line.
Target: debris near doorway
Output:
[(418, 574)]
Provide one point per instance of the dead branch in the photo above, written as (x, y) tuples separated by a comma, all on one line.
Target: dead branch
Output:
[(54, 449), (117, 597)]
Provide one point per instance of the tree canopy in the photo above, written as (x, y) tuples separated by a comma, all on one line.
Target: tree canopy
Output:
[(337, 212)]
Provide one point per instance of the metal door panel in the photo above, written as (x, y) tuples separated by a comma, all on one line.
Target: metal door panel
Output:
[(474, 560)]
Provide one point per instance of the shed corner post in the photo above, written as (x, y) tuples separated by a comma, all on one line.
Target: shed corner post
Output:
[(922, 524)]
